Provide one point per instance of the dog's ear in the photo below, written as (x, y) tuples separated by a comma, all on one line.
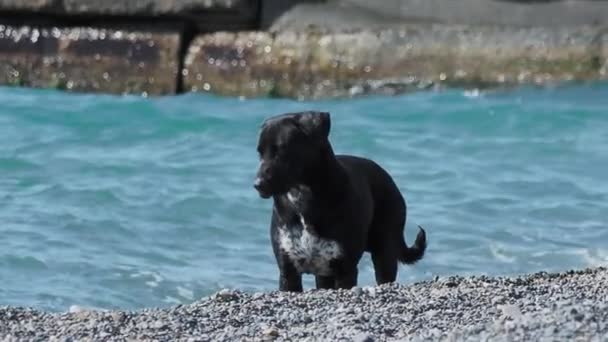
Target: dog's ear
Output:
[(315, 123)]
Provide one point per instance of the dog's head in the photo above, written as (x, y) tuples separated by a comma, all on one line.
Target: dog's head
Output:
[(289, 146)]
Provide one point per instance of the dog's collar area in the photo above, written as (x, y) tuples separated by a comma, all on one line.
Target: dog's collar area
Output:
[(296, 195), (293, 196)]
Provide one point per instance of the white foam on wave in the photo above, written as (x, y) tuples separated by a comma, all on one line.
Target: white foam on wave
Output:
[(500, 253), (171, 300), (185, 293), (473, 93), (593, 257), (155, 277), (78, 308), (540, 254)]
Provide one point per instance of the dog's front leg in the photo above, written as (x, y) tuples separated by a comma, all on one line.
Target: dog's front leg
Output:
[(291, 282), (347, 280), (290, 279), (325, 282)]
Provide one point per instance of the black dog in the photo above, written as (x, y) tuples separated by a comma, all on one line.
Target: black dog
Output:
[(328, 209)]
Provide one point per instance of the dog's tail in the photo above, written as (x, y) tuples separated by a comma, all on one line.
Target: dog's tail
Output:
[(409, 255)]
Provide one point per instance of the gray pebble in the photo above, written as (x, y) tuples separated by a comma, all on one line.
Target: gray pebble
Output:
[(363, 338), (498, 300), (511, 311), (371, 291)]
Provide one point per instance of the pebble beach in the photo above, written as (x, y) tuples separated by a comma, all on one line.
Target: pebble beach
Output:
[(570, 306)]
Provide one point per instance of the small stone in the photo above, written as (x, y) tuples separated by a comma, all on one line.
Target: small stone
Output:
[(498, 300), (226, 295), (159, 325), (511, 311), (271, 331), (450, 284), (363, 337), (118, 316), (75, 309), (431, 313), (579, 317), (371, 291)]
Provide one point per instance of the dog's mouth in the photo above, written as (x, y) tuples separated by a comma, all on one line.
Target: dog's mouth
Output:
[(262, 188), (264, 195), (267, 189)]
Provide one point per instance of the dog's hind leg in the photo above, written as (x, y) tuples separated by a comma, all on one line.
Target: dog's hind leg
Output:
[(385, 265), (325, 282), (384, 237)]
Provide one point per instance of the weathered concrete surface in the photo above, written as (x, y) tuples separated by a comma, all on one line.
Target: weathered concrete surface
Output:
[(90, 60), (603, 42), (313, 48), (320, 65), (147, 7), (339, 15), (122, 7), (33, 5)]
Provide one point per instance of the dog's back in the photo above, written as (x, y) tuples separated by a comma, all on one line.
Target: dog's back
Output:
[(367, 173), (389, 210)]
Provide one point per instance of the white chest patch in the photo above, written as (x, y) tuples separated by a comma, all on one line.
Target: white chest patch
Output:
[(308, 252)]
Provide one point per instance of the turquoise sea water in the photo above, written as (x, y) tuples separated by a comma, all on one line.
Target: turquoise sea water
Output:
[(125, 202)]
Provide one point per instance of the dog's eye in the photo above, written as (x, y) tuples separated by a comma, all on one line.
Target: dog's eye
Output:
[(273, 149)]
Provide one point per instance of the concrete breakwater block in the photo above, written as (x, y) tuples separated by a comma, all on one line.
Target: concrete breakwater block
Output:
[(26, 4), (86, 59), (317, 64), (150, 7), (122, 7)]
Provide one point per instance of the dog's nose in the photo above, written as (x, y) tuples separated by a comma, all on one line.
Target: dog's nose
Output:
[(257, 183)]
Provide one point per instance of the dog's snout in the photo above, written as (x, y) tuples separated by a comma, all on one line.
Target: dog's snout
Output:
[(262, 187), (262, 181), (263, 173)]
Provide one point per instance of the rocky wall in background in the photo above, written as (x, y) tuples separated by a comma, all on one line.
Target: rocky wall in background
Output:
[(91, 60), (320, 65), (286, 48), (121, 7)]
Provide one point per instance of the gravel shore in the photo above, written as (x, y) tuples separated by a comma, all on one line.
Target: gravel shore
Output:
[(569, 306)]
